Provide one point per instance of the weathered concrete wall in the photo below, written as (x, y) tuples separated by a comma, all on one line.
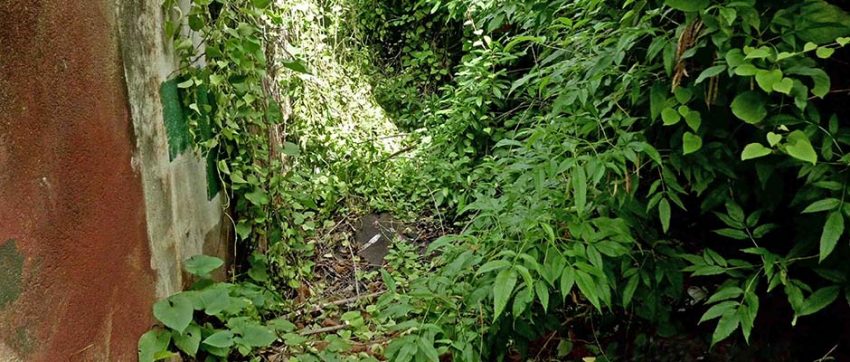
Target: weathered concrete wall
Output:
[(95, 216), (183, 217)]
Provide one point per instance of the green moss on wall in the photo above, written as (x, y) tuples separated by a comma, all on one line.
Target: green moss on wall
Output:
[(11, 269)]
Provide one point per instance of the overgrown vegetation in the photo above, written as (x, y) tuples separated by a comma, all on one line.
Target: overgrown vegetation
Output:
[(612, 167)]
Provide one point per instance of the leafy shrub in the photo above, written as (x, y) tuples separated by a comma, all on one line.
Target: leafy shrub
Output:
[(601, 158), (591, 139)]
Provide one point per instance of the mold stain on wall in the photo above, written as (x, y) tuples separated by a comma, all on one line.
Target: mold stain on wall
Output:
[(11, 269)]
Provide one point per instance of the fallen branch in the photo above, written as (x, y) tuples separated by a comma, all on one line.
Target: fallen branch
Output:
[(308, 332)]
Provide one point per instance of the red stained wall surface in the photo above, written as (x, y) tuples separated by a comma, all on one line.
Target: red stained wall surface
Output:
[(70, 199)]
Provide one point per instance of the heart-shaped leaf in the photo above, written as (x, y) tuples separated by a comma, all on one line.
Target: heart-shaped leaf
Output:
[(257, 336), (754, 150), (784, 86), (683, 95), (152, 343), (175, 312), (750, 107), (799, 147), (258, 197), (201, 265), (694, 120), (189, 340), (766, 79), (824, 52), (690, 143), (220, 339), (773, 138), (669, 116)]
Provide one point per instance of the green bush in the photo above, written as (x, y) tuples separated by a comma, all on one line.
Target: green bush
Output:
[(621, 150), (599, 155)]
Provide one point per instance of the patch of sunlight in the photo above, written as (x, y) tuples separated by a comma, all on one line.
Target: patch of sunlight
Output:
[(334, 106)]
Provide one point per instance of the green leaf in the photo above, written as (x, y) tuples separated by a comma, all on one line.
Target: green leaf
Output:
[(693, 119), (580, 188), (629, 290), (754, 150), (820, 299), (588, 288), (189, 340), (724, 294), (799, 147), (521, 39), (766, 79), (683, 95), (728, 14), (542, 291), (565, 347), (669, 116), (657, 100), (784, 55), (757, 53), (664, 214), (521, 302), (727, 324), (281, 324), (708, 270), (201, 265), (152, 343), (784, 86), (261, 4), (220, 339), (773, 138), (718, 310), (493, 265), (710, 72), (243, 229), (215, 300), (821, 80), (750, 107), (296, 66), (257, 336), (690, 143), (809, 46), (687, 5), (502, 289), (746, 70), (748, 314), (567, 281), (824, 52), (258, 197), (175, 312), (832, 231), (291, 149), (732, 233), (842, 41), (821, 22), (822, 205), (735, 58)]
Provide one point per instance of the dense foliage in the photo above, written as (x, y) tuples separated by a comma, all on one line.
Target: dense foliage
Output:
[(606, 162)]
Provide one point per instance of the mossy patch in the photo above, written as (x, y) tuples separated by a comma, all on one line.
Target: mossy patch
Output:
[(11, 268)]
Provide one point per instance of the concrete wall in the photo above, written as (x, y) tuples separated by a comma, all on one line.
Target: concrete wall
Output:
[(96, 214)]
